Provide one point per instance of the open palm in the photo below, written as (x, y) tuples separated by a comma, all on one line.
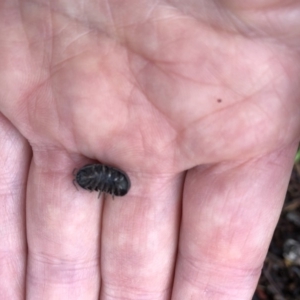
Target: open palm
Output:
[(197, 102)]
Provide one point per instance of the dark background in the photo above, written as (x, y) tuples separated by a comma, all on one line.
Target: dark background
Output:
[(280, 278)]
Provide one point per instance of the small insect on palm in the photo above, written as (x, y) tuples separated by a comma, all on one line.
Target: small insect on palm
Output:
[(102, 178)]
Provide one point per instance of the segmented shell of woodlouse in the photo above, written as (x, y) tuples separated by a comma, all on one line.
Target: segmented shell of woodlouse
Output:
[(102, 178)]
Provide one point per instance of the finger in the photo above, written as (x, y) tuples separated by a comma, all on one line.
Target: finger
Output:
[(63, 226), (229, 215), (14, 159), (139, 239)]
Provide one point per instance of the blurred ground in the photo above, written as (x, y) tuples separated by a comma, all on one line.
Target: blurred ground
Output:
[(280, 278)]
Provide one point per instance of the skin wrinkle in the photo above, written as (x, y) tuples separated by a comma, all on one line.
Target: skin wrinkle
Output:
[(222, 110), (65, 277), (29, 95), (26, 96), (53, 10), (47, 259), (140, 88), (56, 99), (151, 10), (234, 236), (144, 23), (48, 49), (211, 285), (180, 76), (107, 2), (70, 58), (269, 117), (36, 108), (163, 19), (267, 30), (156, 106), (283, 108), (188, 126), (136, 294), (52, 44), (61, 65), (74, 41), (188, 153), (214, 26), (22, 22), (218, 24)]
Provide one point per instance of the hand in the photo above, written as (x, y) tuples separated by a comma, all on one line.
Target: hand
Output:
[(197, 101)]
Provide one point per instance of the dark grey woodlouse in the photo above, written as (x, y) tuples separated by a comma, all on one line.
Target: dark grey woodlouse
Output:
[(102, 178)]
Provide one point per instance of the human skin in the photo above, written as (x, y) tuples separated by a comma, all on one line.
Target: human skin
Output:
[(198, 101)]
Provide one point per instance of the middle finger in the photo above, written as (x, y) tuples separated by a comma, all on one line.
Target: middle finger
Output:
[(139, 239)]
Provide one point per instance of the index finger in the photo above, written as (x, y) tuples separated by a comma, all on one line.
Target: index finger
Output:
[(139, 238)]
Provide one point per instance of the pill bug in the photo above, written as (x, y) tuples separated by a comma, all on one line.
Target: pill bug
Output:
[(102, 178)]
